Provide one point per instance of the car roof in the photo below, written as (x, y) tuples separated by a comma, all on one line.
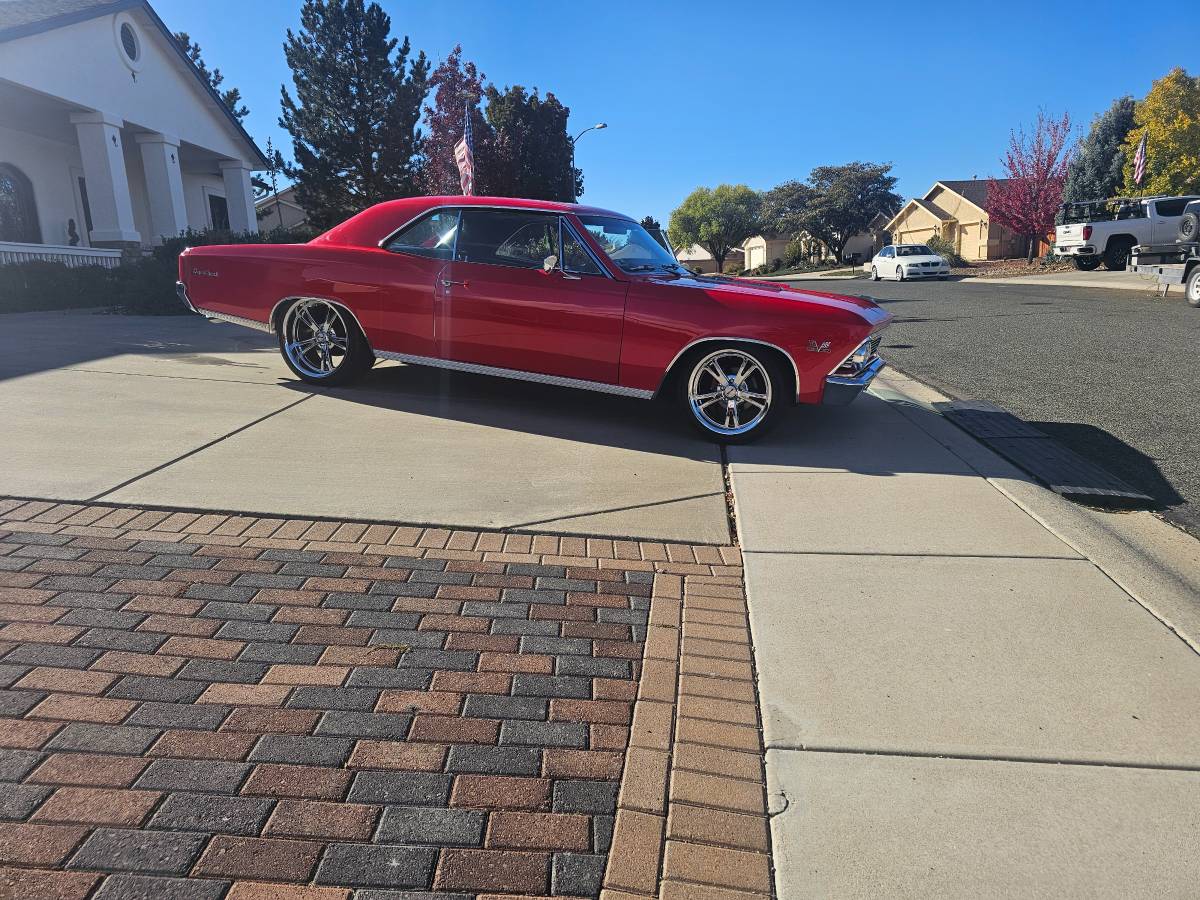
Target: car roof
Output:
[(375, 223)]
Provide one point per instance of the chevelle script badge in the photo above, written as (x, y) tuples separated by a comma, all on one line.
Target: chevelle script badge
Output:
[(208, 272)]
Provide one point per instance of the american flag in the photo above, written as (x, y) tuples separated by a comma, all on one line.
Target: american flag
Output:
[(1139, 161), (464, 154)]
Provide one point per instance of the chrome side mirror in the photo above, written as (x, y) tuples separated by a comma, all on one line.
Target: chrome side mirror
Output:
[(550, 263)]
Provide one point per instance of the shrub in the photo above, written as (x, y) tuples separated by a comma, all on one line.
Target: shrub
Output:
[(142, 287), (943, 247), (736, 269)]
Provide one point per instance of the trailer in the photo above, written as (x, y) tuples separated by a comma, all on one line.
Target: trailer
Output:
[(1169, 264)]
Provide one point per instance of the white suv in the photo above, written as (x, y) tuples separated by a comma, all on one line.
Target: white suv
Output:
[(1107, 230)]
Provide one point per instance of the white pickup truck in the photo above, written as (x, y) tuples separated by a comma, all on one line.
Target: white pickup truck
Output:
[(1108, 230)]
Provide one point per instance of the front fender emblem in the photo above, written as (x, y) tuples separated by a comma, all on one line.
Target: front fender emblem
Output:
[(814, 347)]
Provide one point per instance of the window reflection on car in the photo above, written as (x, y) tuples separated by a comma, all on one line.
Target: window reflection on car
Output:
[(913, 250)]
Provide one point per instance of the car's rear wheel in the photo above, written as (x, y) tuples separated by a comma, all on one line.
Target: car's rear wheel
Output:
[(1116, 255), (1192, 292), (734, 394), (1086, 263), (874, 274), (322, 344)]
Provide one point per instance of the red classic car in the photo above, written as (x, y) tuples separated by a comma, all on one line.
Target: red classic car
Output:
[(553, 292)]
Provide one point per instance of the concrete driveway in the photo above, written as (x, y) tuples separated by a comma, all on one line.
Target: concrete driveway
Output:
[(185, 413)]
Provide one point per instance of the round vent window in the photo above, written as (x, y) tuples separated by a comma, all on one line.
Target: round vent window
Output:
[(129, 42)]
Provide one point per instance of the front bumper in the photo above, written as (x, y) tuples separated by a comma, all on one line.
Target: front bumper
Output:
[(841, 389), (926, 273)]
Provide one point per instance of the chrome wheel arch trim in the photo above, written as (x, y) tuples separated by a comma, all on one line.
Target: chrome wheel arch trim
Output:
[(735, 340), (479, 369), (270, 323)]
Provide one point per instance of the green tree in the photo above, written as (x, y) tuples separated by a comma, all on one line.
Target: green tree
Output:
[(718, 219), (1096, 172), (457, 86), (353, 123), (649, 222), (231, 97), (532, 148), (1169, 116), (836, 203)]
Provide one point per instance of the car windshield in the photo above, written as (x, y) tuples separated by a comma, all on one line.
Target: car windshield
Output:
[(629, 245), (913, 250)]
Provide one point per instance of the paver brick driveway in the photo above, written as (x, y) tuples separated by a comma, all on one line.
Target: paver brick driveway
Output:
[(260, 704)]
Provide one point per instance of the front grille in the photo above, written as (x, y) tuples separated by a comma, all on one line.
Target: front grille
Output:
[(874, 342)]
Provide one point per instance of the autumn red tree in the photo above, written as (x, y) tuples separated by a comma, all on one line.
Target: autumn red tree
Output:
[(457, 85), (1035, 169)]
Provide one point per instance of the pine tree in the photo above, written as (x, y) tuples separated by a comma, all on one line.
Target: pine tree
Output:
[(358, 103), (232, 97), (1095, 173), (533, 151)]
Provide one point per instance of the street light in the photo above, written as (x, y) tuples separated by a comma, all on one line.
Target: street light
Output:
[(597, 127)]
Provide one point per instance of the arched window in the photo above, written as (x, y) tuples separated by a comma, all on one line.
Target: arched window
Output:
[(18, 214)]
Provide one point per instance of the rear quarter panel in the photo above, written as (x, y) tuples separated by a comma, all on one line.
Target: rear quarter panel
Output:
[(663, 318), (249, 280)]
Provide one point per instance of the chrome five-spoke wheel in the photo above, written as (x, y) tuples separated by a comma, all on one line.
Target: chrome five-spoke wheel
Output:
[(730, 393), (321, 342)]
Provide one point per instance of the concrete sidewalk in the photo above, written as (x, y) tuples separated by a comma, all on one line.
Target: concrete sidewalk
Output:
[(956, 701)]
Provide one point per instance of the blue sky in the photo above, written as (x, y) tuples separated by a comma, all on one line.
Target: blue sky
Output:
[(702, 93)]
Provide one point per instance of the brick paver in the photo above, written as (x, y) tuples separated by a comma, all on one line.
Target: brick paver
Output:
[(233, 707)]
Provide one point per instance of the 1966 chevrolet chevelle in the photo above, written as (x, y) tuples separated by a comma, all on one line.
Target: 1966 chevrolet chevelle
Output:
[(552, 292)]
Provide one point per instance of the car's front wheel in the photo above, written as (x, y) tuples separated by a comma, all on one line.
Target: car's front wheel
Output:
[(874, 274), (899, 273), (322, 344), (734, 394)]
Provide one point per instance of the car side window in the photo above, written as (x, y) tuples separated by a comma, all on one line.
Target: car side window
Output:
[(886, 252), (575, 259), (1171, 207), (507, 237), (432, 235)]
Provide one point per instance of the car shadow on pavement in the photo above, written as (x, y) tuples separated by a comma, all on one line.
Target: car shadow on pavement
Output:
[(569, 414)]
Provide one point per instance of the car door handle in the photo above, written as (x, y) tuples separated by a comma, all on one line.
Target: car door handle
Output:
[(446, 282)]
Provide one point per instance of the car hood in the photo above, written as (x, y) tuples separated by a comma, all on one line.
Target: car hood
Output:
[(775, 291)]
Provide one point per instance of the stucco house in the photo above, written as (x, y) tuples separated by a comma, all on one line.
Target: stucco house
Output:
[(281, 210), (762, 249), (110, 138), (957, 211), (696, 257)]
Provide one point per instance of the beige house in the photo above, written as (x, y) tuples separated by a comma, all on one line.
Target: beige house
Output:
[(956, 211), (762, 249), (696, 257), (280, 211)]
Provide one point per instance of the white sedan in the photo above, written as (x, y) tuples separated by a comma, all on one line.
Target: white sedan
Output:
[(903, 261)]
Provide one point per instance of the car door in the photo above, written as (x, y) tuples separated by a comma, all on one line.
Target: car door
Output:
[(508, 308), (414, 275)]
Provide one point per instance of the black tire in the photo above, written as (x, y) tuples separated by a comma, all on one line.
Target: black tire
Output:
[(769, 378), (1116, 255), (345, 348), (1086, 263), (1189, 227), (943, 277), (899, 273), (874, 274), (1192, 290)]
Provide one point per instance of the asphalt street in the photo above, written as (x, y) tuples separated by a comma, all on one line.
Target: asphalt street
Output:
[(1110, 373)]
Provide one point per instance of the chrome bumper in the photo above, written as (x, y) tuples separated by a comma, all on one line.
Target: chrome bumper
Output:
[(181, 293), (841, 389)]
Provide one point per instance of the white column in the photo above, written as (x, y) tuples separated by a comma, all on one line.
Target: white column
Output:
[(164, 184), (239, 195), (99, 136)]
